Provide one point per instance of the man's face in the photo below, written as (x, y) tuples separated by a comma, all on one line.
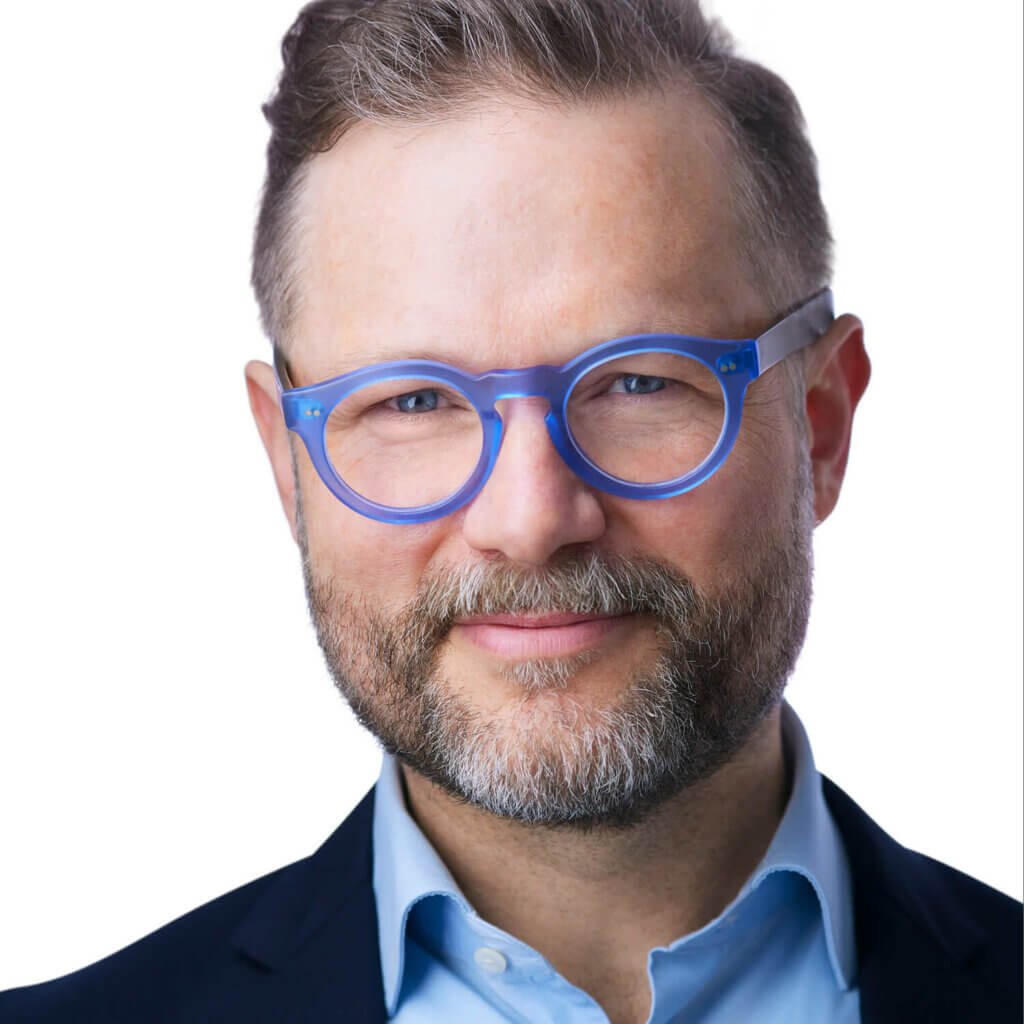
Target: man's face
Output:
[(511, 237)]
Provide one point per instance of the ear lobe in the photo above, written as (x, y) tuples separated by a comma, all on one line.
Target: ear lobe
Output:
[(266, 411), (838, 371)]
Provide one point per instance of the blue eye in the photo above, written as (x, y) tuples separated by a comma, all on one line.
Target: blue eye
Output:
[(638, 384), (417, 401)]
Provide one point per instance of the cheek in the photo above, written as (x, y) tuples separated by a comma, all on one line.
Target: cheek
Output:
[(753, 492), (712, 532), (381, 561)]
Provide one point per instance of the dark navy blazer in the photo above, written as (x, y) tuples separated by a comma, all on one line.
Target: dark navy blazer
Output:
[(299, 946)]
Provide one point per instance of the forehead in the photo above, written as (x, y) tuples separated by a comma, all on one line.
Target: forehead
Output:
[(516, 235)]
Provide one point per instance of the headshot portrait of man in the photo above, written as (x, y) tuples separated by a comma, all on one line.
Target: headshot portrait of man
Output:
[(558, 393)]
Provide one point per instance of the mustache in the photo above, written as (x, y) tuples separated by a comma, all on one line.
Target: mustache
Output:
[(407, 645), (592, 584)]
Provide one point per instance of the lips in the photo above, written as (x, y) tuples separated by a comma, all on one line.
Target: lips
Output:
[(538, 636), (530, 621)]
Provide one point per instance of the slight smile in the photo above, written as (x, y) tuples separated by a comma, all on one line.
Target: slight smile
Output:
[(538, 636)]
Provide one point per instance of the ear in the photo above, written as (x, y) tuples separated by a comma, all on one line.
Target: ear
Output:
[(837, 371), (266, 411)]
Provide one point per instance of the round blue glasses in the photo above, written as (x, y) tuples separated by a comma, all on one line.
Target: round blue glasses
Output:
[(645, 416)]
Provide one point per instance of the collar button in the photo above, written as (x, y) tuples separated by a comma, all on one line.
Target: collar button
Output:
[(490, 961)]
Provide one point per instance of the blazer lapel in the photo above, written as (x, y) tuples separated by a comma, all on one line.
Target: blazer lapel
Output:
[(314, 933)]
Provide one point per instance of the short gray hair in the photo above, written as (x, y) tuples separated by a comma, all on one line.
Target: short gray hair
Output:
[(420, 61)]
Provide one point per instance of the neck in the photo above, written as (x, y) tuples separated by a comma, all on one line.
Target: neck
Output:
[(595, 902)]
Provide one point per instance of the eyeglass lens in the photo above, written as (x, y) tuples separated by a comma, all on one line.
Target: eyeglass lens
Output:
[(645, 418)]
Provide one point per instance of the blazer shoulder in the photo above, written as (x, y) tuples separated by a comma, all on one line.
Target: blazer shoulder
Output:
[(132, 983), (921, 884), (213, 963), (991, 908), (925, 927)]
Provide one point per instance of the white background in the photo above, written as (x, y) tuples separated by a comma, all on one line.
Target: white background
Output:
[(167, 729)]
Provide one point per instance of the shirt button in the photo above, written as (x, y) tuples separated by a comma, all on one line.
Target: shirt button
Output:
[(490, 961)]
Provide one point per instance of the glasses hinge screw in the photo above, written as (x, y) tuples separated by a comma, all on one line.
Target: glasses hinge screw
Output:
[(737, 362), (310, 409)]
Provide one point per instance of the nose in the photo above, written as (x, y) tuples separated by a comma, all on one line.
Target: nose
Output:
[(533, 504)]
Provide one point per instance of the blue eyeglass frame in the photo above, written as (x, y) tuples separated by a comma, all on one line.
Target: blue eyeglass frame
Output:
[(736, 364)]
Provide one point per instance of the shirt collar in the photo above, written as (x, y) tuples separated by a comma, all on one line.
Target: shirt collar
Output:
[(407, 869), (807, 842)]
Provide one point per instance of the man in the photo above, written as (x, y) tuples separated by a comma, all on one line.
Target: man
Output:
[(557, 400)]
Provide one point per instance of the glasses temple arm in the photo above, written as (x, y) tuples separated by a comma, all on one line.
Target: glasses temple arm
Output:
[(802, 327)]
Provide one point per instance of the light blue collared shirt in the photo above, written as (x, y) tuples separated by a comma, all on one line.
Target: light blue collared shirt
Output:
[(782, 952)]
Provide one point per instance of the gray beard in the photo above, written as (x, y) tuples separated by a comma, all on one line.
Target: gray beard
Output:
[(551, 759)]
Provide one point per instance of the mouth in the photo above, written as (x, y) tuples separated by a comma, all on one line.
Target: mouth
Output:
[(538, 636)]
